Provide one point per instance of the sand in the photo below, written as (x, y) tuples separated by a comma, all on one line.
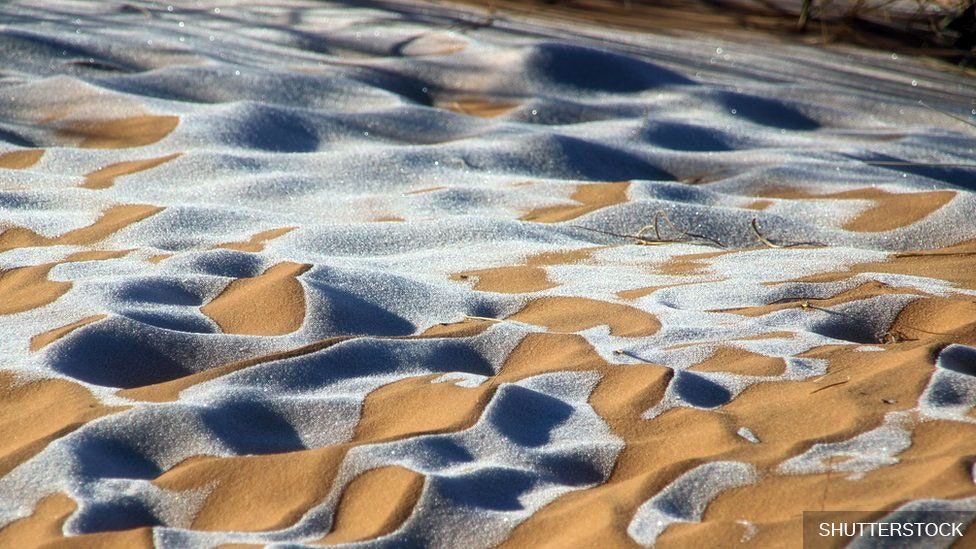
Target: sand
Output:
[(104, 178), (477, 106), (256, 242), (20, 160), (132, 131), (272, 303), (889, 210), (305, 273), (590, 196)]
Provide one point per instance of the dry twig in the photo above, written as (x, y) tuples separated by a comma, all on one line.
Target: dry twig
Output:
[(657, 240), (771, 244), (836, 383), (663, 215), (950, 115)]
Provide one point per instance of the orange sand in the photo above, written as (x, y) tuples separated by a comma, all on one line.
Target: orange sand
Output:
[(591, 196), (890, 210), (134, 131), (256, 242), (272, 303), (476, 106), (787, 416), (105, 177), (20, 160)]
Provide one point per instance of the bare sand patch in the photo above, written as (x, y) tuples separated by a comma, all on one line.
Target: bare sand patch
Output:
[(591, 197), (759, 205), (104, 178), (158, 258), (43, 526), (235, 504), (525, 278), (25, 288), (689, 264), (402, 408), (41, 340), (483, 107), (120, 133), (864, 291), (257, 241), (890, 210), (573, 314), (740, 361), (272, 303), (38, 412), (637, 293), (111, 220), (426, 190), (20, 160), (374, 504), (256, 492), (955, 264), (434, 43)]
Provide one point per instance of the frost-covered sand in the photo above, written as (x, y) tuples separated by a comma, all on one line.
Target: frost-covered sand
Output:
[(308, 272)]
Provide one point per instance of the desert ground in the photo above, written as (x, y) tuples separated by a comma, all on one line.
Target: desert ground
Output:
[(303, 273)]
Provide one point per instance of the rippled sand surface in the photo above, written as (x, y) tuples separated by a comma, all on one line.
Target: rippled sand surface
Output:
[(313, 273)]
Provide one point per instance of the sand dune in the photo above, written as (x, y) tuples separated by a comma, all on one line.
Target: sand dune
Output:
[(41, 412), (307, 273)]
